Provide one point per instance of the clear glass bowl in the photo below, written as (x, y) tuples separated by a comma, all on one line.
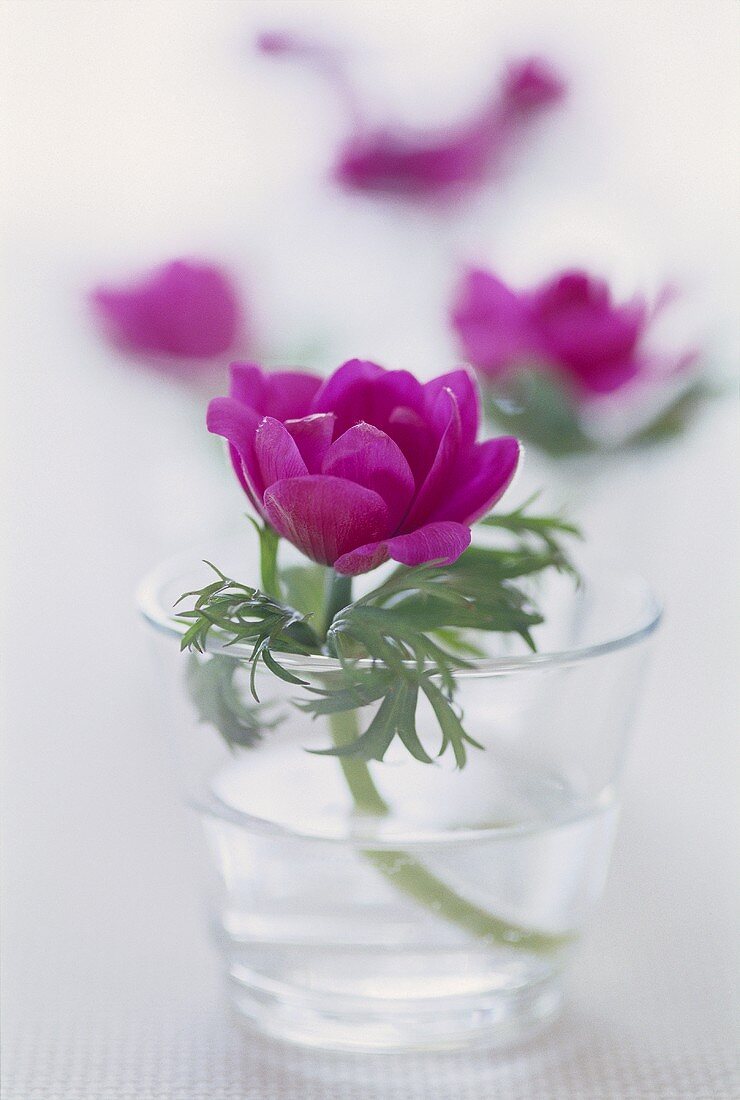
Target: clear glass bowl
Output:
[(440, 910)]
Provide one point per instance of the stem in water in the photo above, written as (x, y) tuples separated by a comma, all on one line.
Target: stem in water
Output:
[(413, 879)]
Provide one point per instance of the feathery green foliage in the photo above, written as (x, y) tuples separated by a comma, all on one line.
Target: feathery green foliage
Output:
[(210, 683), (401, 642)]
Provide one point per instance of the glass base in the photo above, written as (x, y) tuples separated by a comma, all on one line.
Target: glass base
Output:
[(494, 1018)]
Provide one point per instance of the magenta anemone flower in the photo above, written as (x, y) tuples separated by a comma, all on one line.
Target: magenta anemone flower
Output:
[(427, 164), (182, 310), (366, 465), (569, 323)]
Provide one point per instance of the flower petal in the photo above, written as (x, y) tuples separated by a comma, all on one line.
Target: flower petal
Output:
[(493, 323), (185, 309), (238, 424), (415, 438), (437, 482), (325, 517), (313, 434), (489, 471), (580, 327), (465, 389), (344, 392), (363, 559), (282, 394), (367, 456), (393, 389), (277, 453), (247, 384), (530, 85), (290, 393), (443, 542), (606, 376)]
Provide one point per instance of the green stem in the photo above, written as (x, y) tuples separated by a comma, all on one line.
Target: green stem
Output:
[(366, 796), (411, 877), (403, 871), (269, 579), (338, 595)]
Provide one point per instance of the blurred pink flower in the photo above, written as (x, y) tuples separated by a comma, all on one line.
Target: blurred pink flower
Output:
[(182, 310), (428, 164), (569, 323), (366, 465)]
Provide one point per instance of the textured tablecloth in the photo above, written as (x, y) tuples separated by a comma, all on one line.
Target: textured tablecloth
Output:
[(128, 123)]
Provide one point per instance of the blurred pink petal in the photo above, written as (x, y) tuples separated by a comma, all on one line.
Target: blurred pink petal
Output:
[(183, 310), (569, 324), (493, 322), (425, 164)]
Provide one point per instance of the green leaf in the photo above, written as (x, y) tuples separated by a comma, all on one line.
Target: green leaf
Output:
[(452, 730), (675, 418), (218, 702), (367, 687), (245, 615), (410, 634), (539, 538), (374, 742), (408, 691)]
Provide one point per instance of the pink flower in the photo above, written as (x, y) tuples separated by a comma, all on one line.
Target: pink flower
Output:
[(367, 465), (569, 323), (182, 310), (424, 164)]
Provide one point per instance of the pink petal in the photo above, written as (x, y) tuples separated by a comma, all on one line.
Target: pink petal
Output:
[(437, 482), (493, 323), (415, 165), (391, 390), (363, 559), (238, 424), (367, 456), (490, 469), (579, 325), (282, 394), (325, 517), (290, 393), (277, 454), (442, 542), (607, 376), (415, 438), (346, 392), (313, 434), (185, 309), (532, 84), (247, 384), (465, 389)]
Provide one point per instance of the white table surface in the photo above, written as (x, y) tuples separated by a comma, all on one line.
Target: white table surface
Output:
[(111, 990)]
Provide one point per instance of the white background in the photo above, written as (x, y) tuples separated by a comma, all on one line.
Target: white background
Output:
[(138, 131)]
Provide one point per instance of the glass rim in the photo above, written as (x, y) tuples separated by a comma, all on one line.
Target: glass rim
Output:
[(164, 620)]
